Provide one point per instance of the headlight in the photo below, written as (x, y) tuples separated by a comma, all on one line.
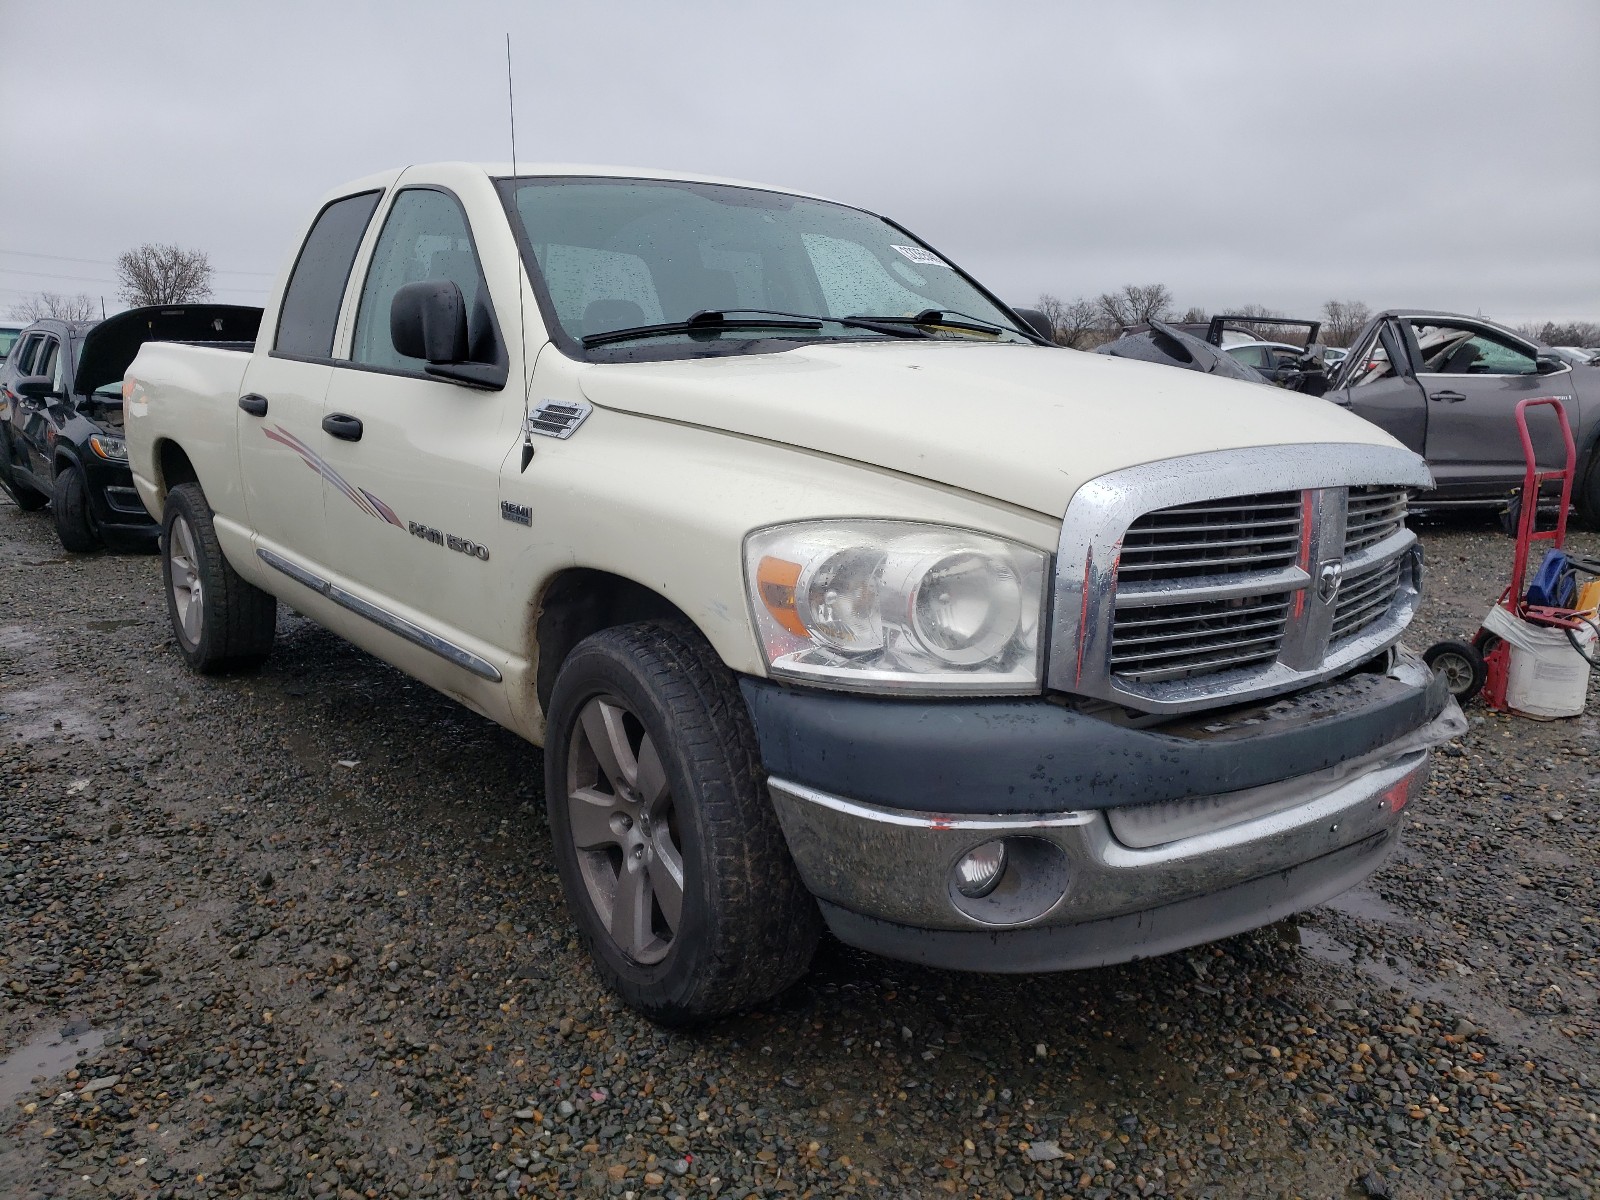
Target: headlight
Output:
[(893, 606), (111, 448)]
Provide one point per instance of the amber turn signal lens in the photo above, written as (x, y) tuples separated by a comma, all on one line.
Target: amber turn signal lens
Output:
[(776, 579)]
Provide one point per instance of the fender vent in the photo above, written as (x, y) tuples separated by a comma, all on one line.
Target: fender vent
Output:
[(558, 418)]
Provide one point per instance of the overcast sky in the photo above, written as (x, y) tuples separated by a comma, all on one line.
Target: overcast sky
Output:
[(1442, 155)]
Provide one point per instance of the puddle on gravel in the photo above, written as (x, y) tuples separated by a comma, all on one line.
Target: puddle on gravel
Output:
[(34, 712), (1462, 995), (51, 1051), (17, 637), (110, 626)]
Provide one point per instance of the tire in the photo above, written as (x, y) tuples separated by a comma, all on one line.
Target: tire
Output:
[(1461, 665), (220, 622), (703, 834), (70, 508), (25, 497)]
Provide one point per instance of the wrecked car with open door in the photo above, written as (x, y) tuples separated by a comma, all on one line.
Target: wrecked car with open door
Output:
[(1447, 386)]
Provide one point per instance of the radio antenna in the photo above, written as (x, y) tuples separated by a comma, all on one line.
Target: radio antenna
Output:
[(522, 323)]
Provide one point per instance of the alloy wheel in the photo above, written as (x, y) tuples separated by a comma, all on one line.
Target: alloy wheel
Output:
[(188, 593), (623, 825)]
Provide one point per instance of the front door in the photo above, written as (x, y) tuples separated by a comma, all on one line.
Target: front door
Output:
[(1376, 382), (413, 498), (1473, 377), (14, 408), (42, 417)]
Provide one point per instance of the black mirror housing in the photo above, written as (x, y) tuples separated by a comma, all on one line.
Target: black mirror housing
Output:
[(1038, 322), (35, 387), (428, 320)]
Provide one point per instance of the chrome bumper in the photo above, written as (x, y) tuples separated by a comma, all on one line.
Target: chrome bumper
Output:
[(1083, 866)]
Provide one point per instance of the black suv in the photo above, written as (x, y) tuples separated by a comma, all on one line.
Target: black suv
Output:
[(61, 413)]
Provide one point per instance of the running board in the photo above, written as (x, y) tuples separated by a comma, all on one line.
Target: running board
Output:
[(383, 618)]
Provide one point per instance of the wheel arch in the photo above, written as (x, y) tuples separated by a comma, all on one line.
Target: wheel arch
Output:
[(63, 457), (172, 466), (577, 602)]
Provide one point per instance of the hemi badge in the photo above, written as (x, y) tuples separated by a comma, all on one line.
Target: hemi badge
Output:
[(521, 514)]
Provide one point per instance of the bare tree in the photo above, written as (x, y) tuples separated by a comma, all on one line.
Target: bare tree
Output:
[(1135, 304), (1194, 315), (1571, 333), (1344, 319), (1075, 320), (1253, 310), (82, 307), (157, 274)]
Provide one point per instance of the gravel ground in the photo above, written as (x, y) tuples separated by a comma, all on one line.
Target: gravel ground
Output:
[(300, 935)]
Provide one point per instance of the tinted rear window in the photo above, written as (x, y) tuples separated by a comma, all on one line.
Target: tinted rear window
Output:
[(311, 302)]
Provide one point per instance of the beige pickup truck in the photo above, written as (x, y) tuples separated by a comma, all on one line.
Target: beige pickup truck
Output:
[(834, 592)]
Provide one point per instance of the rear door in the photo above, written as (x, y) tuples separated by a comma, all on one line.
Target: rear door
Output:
[(1376, 381), (281, 442), (1473, 376)]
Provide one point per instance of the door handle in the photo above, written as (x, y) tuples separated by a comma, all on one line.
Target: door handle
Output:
[(1448, 397), (342, 426), (254, 404)]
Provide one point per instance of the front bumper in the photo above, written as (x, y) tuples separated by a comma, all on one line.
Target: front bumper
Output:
[(1141, 859), (113, 500)]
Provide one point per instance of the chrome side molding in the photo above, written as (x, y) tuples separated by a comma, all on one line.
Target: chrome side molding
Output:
[(383, 618)]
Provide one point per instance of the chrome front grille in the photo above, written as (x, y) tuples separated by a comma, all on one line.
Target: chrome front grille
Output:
[(1213, 537), (1364, 599), (1177, 640), (1192, 582), (1372, 514)]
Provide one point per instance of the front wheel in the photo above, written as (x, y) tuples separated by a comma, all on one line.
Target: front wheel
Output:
[(221, 623), (669, 850), (70, 508)]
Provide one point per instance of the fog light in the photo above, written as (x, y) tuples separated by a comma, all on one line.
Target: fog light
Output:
[(980, 869)]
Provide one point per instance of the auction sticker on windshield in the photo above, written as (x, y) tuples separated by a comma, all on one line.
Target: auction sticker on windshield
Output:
[(918, 255)]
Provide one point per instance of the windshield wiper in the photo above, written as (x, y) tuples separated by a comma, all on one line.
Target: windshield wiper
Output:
[(942, 317), (707, 320), (893, 329)]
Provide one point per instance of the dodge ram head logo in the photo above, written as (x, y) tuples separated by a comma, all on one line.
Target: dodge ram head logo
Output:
[(1328, 576)]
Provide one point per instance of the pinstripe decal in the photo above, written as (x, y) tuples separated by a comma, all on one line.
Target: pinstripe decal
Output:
[(360, 497)]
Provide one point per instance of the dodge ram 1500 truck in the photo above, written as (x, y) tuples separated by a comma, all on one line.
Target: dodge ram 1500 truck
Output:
[(831, 590)]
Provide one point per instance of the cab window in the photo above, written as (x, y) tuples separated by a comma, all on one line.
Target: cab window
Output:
[(46, 363), (29, 352), (1460, 350), (425, 237), (316, 286)]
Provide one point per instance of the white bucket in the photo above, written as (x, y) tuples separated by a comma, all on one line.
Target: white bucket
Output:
[(1546, 677)]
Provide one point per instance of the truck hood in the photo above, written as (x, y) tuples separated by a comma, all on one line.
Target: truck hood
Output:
[(1026, 425)]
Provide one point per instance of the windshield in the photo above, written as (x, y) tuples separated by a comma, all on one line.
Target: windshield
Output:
[(8, 339), (623, 253)]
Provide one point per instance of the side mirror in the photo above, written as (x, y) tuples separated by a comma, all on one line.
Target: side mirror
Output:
[(428, 320), (34, 387), (1038, 322), (1548, 364)]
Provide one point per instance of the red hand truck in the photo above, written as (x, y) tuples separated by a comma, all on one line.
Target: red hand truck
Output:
[(1484, 663)]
